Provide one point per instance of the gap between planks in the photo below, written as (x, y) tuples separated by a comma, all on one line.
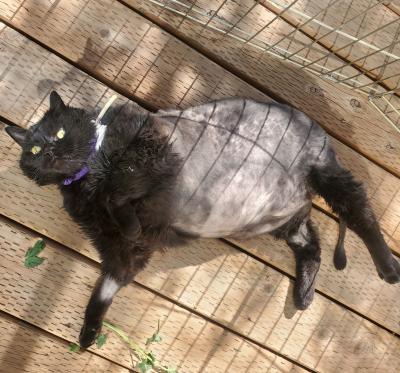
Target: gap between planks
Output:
[(36, 332), (246, 77), (307, 31), (93, 263)]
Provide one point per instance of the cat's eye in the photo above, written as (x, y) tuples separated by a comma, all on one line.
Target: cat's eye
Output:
[(36, 149), (61, 133)]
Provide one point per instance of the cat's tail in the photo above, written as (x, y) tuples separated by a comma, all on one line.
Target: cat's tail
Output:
[(347, 198)]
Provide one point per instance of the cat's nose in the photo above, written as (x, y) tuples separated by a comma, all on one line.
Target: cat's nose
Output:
[(49, 153)]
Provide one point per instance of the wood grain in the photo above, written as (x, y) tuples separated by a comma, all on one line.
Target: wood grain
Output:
[(344, 113), (261, 22), (53, 297), (54, 294), (24, 348), (371, 22)]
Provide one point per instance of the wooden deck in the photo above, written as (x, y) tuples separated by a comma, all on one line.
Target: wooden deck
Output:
[(223, 306)]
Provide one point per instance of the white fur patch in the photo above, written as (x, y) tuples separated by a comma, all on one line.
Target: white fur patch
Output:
[(101, 128), (301, 237), (100, 132), (108, 288)]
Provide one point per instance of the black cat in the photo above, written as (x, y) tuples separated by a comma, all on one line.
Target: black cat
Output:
[(137, 182)]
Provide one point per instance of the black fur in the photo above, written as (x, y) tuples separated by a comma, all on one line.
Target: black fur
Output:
[(348, 199), (127, 204), (339, 258)]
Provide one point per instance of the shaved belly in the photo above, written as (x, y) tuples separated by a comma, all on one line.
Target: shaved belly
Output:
[(244, 166), (241, 211)]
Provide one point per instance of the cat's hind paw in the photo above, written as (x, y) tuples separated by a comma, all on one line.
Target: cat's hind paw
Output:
[(391, 274)]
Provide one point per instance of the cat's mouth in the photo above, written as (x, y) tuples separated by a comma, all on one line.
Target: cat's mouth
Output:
[(63, 166)]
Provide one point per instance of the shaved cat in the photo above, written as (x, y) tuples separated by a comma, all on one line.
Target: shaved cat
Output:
[(137, 182)]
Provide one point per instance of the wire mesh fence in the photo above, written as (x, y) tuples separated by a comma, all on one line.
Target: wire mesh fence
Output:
[(351, 42)]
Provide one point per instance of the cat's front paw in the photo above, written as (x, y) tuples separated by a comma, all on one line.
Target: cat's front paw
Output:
[(391, 272), (89, 333)]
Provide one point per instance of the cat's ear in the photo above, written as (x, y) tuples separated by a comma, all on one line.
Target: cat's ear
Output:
[(56, 102), (17, 133)]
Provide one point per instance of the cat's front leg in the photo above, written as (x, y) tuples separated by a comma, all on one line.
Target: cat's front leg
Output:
[(105, 289), (127, 221), (123, 215), (119, 269)]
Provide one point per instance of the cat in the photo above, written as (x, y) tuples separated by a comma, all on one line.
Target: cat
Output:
[(137, 182)]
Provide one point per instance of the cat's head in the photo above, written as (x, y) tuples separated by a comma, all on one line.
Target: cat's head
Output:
[(57, 146)]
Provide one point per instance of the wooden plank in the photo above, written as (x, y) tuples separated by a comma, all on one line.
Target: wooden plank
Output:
[(394, 6), (232, 288), (150, 64), (24, 348), (358, 286), (374, 24), (260, 20), (80, 90), (9, 8), (53, 296), (344, 113)]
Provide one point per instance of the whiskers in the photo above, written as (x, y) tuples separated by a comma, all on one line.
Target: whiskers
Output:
[(71, 160), (36, 174)]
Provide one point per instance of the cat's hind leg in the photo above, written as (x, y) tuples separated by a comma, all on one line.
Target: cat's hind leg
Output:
[(348, 199), (305, 245)]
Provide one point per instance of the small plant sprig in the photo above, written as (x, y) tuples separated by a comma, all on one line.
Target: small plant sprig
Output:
[(31, 256), (100, 340), (147, 360)]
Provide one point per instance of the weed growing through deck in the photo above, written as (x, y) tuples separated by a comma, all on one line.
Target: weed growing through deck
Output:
[(31, 256), (147, 360), (73, 347), (101, 339)]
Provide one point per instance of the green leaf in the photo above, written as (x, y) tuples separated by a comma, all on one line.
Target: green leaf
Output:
[(155, 338), (101, 339), (33, 261), (144, 367), (171, 370), (151, 359), (73, 347), (31, 258), (37, 248), (115, 327)]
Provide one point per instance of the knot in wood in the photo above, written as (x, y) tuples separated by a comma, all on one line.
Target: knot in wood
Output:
[(315, 90), (355, 103)]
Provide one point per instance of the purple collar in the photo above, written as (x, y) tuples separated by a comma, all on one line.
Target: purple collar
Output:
[(93, 142), (84, 170), (79, 175)]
